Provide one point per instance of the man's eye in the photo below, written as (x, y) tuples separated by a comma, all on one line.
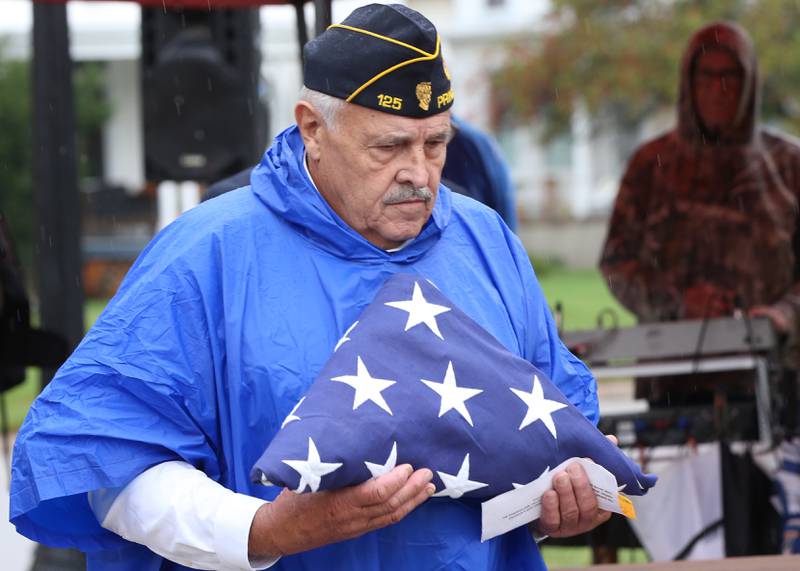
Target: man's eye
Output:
[(435, 146)]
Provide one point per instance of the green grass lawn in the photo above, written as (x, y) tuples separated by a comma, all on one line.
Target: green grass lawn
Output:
[(560, 557), (583, 295)]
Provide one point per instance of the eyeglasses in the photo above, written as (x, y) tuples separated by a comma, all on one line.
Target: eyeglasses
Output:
[(727, 78)]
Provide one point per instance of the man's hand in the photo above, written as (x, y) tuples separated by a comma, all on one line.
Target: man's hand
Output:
[(299, 522), (780, 321), (570, 508)]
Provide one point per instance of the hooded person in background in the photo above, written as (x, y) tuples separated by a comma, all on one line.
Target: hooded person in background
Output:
[(140, 449), (705, 222), (706, 214)]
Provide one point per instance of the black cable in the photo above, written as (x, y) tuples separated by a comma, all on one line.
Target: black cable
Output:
[(713, 526), (701, 336), (698, 351), (751, 344), (748, 325), (607, 311)]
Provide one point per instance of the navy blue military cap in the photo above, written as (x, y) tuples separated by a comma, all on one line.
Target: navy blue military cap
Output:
[(385, 57)]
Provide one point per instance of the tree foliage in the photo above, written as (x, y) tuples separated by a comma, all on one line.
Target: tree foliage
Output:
[(15, 152), (623, 57), (16, 192)]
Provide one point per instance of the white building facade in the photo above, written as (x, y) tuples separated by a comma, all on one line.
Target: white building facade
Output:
[(571, 179)]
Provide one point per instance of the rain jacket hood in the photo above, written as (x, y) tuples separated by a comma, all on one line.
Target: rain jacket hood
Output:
[(300, 204), (733, 39)]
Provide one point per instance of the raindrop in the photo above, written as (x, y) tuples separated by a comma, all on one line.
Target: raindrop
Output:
[(178, 101)]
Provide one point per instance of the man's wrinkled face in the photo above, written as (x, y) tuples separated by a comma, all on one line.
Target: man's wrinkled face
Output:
[(717, 80), (380, 172)]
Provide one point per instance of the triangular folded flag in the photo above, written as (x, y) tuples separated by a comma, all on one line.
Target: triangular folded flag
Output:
[(416, 381)]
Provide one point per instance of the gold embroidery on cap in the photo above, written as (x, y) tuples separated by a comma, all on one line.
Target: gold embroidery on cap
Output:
[(395, 67), (390, 102), (446, 71), (444, 99), (424, 92), (387, 39)]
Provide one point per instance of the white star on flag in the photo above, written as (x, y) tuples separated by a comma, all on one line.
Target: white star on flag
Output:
[(539, 408), (345, 337), (453, 396), (291, 416), (518, 486), (449, 401), (420, 311), (380, 469), (312, 469), (460, 484), (367, 387)]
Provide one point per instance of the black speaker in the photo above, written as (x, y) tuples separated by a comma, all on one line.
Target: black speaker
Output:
[(204, 118)]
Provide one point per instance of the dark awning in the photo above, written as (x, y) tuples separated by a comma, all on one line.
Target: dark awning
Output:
[(194, 4)]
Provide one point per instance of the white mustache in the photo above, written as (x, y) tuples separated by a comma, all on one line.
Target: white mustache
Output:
[(407, 192)]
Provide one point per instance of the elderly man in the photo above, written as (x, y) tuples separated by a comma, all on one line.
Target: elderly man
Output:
[(139, 450)]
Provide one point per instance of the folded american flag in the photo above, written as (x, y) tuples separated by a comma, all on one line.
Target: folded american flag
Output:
[(416, 381)]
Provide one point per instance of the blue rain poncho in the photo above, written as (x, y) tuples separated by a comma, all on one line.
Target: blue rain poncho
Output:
[(219, 329)]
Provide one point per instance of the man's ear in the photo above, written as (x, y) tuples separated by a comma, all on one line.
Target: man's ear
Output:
[(311, 127)]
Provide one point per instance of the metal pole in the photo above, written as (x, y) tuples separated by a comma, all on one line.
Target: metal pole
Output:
[(57, 258), (55, 179), (302, 29), (322, 15)]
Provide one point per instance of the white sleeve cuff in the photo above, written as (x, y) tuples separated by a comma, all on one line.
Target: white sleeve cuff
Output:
[(184, 516), (232, 533)]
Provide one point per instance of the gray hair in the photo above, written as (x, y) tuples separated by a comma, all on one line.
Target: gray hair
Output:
[(326, 105)]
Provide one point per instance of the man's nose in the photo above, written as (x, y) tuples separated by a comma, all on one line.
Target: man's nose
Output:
[(724, 82), (414, 169), (720, 84)]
